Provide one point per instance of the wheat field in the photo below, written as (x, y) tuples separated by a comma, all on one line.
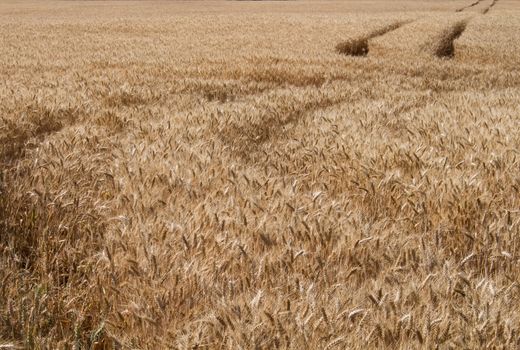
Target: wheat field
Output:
[(260, 175)]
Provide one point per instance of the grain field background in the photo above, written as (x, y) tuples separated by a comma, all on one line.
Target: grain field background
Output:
[(259, 175)]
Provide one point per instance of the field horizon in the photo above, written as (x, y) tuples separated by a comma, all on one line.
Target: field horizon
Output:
[(259, 174)]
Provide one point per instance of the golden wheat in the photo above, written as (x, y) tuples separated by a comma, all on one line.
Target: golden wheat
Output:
[(333, 174)]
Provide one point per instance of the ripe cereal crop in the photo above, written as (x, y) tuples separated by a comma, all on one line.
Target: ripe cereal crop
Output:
[(260, 174)]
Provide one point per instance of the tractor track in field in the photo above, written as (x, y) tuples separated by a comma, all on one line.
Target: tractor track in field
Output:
[(359, 46), (469, 6), (486, 10), (443, 47)]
